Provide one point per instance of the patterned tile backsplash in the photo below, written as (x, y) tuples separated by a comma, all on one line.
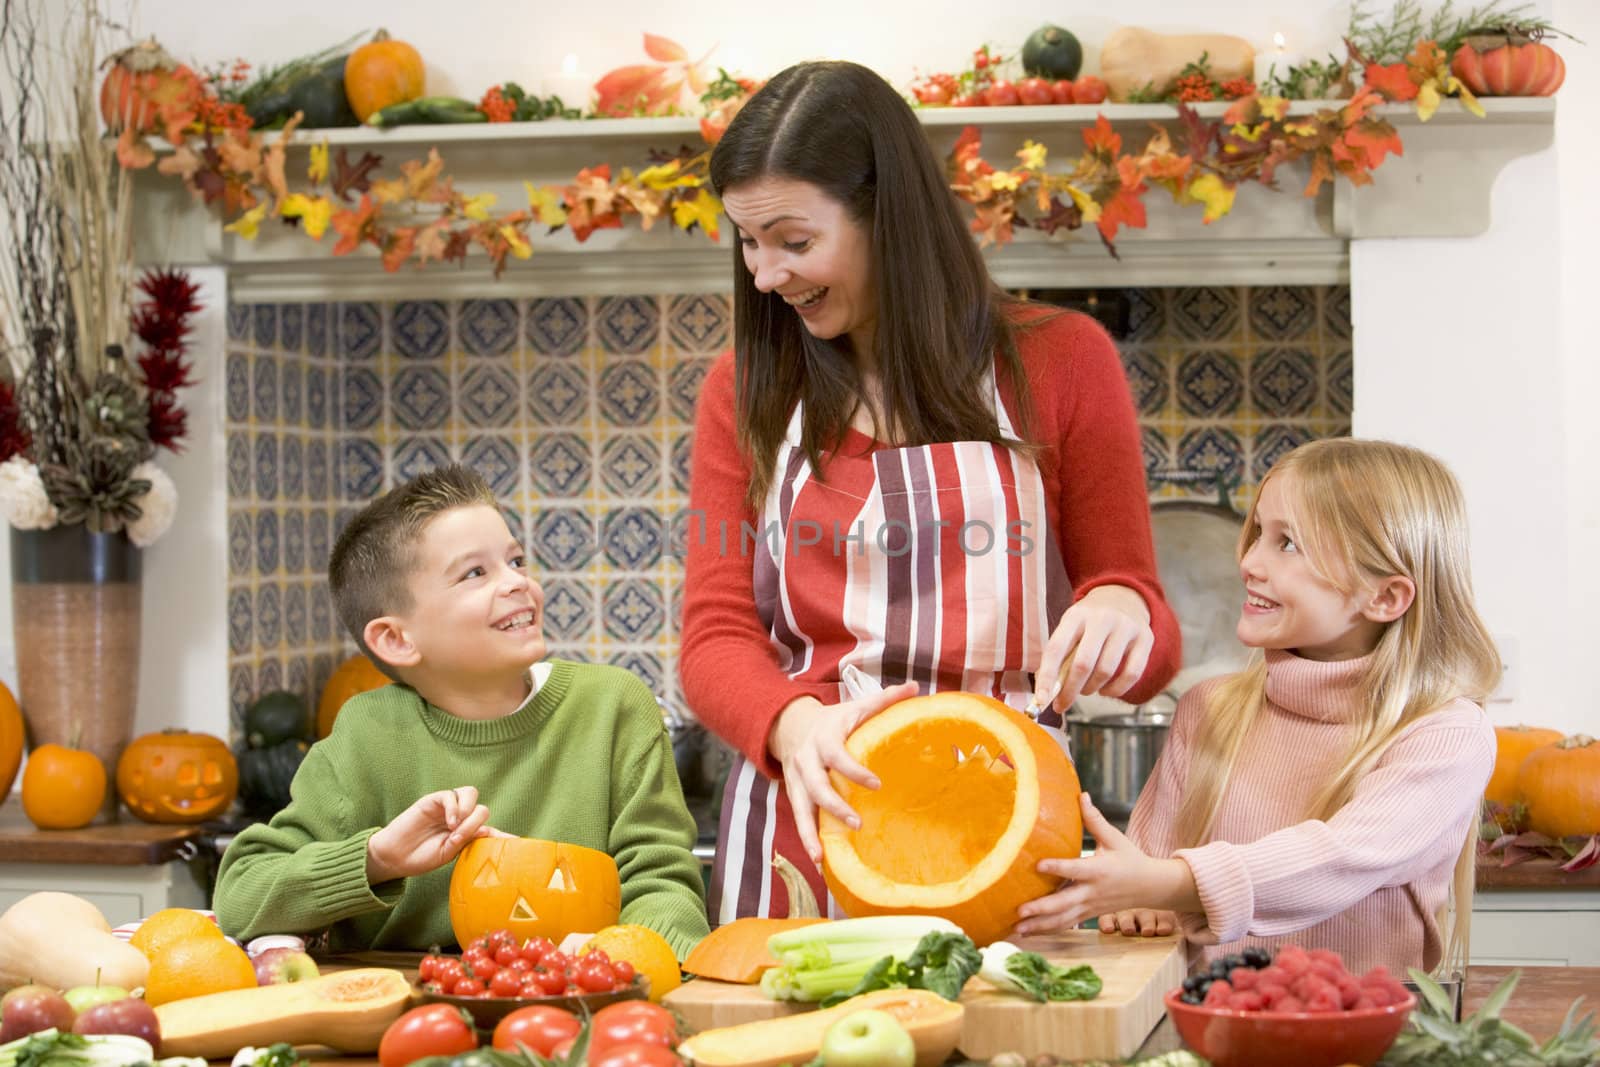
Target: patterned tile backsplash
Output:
[(579, 412)]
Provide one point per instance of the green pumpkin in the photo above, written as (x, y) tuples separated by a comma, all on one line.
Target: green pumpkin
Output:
[(1052, 52), (265, 774), (317, 90), (275, 718)]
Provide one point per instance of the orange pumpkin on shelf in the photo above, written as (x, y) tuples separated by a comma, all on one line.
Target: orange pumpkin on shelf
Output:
[(139, 80), (533, 888), (382, 72), (1560, 783), (62, 787), (176, 776), (973, 796), (12, 738), (354, 675), (1512, 63), (1512, 745)]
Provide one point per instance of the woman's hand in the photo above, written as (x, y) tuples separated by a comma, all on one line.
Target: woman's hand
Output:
[(808, 740), (1110, 629), (1117, 878)]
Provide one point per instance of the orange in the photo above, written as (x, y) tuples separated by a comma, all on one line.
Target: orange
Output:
[(169, 926), (647, 950), (196, 966)]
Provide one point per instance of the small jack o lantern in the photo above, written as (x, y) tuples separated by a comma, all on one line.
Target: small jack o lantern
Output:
[(532, 888), (176, 776)]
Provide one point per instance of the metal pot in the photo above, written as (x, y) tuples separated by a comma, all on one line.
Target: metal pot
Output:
[(1115, 754)]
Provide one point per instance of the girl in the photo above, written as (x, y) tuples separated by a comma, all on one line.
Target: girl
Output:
[(1324, 795)]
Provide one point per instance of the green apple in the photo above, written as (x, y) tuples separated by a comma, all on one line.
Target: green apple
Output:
[(868, 1038), (84, 997)]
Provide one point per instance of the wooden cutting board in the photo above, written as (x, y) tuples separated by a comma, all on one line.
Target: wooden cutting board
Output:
[(1136, 972)]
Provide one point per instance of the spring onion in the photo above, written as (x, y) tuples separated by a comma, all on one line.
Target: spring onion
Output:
[(1005, 966)]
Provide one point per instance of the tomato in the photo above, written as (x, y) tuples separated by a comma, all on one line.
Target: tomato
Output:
[(631, 1022), (505, 983), (1002, 94), (537, 949), (427, 970), (521, 967), (468, 987), (449, 973), (559, 1053), (431, 1030), (505, 954), (551, 982), (557, 960), (932, 93), (596, 977), (1089, 90), (540, 1028), (1061, 92), (1034, 91), (969, 100), (624, 972), (634, 1055)]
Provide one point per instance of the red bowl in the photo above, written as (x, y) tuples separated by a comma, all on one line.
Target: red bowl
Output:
[(1270, 1039)]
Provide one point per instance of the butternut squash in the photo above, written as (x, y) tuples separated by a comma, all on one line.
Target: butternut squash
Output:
[(1132, 58), (933, 1022), (60, 940), (345, 1010), (737, 951)]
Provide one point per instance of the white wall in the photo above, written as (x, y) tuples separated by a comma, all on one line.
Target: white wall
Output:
[(1494, 362)]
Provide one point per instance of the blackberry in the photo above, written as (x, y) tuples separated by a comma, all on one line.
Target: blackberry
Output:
[(1194, 982), (1256, 957), (1192, 998), (1219, 968), (1233, 960)]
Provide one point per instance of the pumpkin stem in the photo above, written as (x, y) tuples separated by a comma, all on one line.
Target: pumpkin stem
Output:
[(381, 35), (802, 901), (1575, 741)]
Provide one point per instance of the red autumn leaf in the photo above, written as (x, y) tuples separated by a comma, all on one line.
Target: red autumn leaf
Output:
[(1101, 138), (638, 87), (397, 247), (968, 156), (1062, 216), (664, 49), (353, 177), (1392, 81), (355, 226), (1363, 147), (1125, 208), (1587, 856)]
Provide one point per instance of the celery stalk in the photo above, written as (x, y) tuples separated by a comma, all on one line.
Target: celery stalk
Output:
[(822, 961)]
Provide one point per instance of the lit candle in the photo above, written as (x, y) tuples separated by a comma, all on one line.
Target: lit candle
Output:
[(1276, 61), (575, 88)]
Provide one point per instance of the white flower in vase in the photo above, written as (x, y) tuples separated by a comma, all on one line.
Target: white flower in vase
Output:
[(156, 508), (23, 498)]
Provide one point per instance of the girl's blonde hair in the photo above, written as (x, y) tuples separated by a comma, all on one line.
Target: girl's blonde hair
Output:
[(1364, 511)]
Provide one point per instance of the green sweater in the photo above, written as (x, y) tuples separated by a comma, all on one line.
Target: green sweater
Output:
[(586, 761)]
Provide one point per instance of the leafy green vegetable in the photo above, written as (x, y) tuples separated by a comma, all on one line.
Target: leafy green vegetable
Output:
[(826, 959), (1437, 1040), (941, 963), (1043, 980), (52, 1048)]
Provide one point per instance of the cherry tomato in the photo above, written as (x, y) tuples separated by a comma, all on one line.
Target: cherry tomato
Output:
[(624, 972), (970, 100), (505, 983), (477, 944), (521, 966), (539, 1027), (431, 1030), (1089, 90), (449, 973), (531, 987), (537, 949), (596, 954), (631, 1022), (980, 58), (504, 954), (1061, 92), (551, 982), (1002, 94), (634, 1054), (933, 93), (596, 977), (1034, 91), (557, 960), (498, 938), (468, 987)]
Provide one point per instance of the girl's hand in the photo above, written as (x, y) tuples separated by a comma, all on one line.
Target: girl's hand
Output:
[(1110, 627), (808, 740), (1118, 877), (1139, 922), (427, 835)]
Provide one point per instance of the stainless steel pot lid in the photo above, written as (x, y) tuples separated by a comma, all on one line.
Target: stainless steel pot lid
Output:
[(1134, 720)]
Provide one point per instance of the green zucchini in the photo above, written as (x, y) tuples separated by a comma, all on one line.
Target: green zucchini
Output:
[(427, 109)]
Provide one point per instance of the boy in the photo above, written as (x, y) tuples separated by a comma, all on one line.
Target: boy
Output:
[(434, 589)]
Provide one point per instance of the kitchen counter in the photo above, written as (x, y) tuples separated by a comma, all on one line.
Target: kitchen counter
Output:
[(1536, 874), (128, 843)]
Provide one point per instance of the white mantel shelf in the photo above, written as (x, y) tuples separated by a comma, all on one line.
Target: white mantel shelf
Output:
[(1440, 187)]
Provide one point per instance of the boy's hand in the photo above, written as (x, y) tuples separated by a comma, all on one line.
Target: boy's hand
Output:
[(1139, 922), (427, 835), (1117, 878)]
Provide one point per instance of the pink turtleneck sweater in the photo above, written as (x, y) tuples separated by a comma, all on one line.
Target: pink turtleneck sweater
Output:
[(1367, 883)]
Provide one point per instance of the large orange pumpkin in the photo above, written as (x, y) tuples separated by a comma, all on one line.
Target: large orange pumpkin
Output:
[(62, 787), (11, 741), (355, 675), (176, 776), (1508, 64), (1512, 745), (533, 888), (1560, 783), (380, 73), (973, 796)]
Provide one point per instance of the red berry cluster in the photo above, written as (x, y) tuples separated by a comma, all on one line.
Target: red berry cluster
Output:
[(1302, 981), (495, 965), (1195, 87)]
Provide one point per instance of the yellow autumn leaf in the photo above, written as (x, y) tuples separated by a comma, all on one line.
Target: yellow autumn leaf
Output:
[(477, 207), (1004, 179), (1273, 107), (1427, 100), (704, 209), (514, 240), (318, 171), (313, 213), (1084, 203), (248, 224), (1214, 193), (1032, 154), (547, 205), (1468, 101), (665, 176)]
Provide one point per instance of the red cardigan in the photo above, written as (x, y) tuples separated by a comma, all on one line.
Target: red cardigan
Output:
[(1097, 504)]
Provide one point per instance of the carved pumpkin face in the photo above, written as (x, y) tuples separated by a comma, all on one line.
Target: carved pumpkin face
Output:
[(177, 777), (532, 888)]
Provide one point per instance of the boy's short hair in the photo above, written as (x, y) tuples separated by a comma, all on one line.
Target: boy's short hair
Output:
[(372, 561)]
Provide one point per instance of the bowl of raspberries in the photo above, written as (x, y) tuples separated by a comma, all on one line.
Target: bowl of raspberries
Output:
[(1257, 1009)]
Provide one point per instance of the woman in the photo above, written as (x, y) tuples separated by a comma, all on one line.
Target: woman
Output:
[(899, 470)]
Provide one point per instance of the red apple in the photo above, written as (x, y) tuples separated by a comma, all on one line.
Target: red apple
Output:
[(278, 965), (130, 1015), (28, 1009)]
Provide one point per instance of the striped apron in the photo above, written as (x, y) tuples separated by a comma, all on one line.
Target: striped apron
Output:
[(931, 564)]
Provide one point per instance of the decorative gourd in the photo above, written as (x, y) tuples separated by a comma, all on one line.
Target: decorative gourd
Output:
[(354, 675), (1512, 745), (347, 1011), (1560, 783), (737, 951), (11, 741), (274, 718), (316, 91), (380, 73), (62, 941), (1052, 52), (1512, 63), (933, 1022), (1132, 58), (973, 796), (62, 788), (265, 775), (533, 888), (138, 80), (176, 776)]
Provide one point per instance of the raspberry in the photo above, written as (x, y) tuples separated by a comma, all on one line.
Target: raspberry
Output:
[(1325, 998), (1327, 955), (1362, 1003), (1294, 962), (1271, 993), (1244, 978), (1290, 1003), (1217, 995), (1275, 975), (1249, 1000), (1349, 990)]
